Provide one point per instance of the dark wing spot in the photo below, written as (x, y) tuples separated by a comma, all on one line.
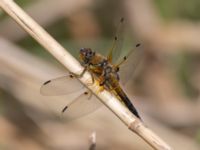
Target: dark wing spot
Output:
[(71, 76), (122, 19), (86, 93), (64, 109), (117, 69), (47, 82), (115, 38), (125, 57), (137, 45)]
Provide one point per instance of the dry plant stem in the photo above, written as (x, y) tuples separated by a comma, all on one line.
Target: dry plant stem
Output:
[(73, 65)]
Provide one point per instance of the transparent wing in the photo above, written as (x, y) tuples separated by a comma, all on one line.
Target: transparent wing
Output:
[(84, 104), (128, 68), (115, 51), (61, 86)]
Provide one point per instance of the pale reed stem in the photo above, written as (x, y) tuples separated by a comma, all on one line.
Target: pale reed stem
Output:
[(65, 58)]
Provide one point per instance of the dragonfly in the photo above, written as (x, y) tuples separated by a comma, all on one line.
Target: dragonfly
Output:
[(107, 70)]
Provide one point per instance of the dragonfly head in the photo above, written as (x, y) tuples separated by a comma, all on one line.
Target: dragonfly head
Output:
[(86, 54)]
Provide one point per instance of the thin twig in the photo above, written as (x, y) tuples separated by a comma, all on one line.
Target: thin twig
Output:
[(73, 65)]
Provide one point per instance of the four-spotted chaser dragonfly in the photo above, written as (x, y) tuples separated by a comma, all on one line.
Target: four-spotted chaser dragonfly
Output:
[(106, 70)]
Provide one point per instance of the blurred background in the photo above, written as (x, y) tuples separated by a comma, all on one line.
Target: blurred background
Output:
[(165, 88)]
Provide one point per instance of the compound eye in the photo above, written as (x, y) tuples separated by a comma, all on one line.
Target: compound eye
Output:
[(90, 52), (82, 49)]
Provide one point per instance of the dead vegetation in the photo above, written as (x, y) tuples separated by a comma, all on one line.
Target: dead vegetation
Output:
[(158, 93)]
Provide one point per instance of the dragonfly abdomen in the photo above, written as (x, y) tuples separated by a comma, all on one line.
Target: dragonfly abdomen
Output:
[(127, 102)]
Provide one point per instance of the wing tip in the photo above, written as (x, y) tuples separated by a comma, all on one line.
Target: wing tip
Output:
[(122, 19), (138, 45), (71, 76), (86, 93), (46, 82), (64, 109)]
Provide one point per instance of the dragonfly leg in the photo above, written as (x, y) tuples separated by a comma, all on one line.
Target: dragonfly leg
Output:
[(92, 76), (79, 75), (90, 96), (100, 89), (82, 73), (101, 84)]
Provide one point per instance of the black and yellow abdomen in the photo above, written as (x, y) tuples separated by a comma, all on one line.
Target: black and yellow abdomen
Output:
[(126, 100)]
